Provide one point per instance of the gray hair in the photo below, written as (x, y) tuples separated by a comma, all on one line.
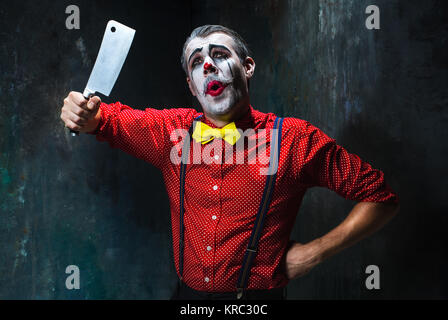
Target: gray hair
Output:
[(241, 48)]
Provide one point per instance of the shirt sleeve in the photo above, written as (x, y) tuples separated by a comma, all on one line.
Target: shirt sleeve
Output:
[(327, 164), (137, 132)]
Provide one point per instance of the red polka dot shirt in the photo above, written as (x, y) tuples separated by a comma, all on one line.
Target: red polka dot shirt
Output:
[(222, 199)]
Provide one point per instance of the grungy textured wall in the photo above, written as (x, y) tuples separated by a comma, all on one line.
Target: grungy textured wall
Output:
[(380, 93)]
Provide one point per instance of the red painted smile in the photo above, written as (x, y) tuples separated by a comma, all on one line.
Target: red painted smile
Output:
[(215, 88)]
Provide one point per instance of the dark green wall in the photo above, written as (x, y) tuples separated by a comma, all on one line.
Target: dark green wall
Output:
[(380, 93)]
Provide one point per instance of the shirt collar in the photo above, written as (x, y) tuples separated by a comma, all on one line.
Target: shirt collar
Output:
[(251, 119)]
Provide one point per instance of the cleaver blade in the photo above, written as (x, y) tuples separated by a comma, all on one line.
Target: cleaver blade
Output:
[(114, 49)]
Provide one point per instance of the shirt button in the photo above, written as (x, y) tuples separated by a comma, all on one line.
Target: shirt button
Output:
[(206, 279), (215, 187), (214, 217), (209, 248), (216, 157)]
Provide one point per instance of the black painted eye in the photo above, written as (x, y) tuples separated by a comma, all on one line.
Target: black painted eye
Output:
[(196, 62), (219, 55)]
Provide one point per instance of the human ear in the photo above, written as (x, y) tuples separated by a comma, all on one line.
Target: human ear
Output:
[(249, 67), (190, 86)]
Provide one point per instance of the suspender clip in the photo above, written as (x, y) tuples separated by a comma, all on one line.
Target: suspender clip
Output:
[(239, 293), (254, 250)]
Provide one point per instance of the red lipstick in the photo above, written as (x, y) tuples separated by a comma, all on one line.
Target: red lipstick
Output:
[(215, 88)]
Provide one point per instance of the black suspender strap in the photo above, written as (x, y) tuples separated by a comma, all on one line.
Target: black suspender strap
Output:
[(263, 208), (183, 168)]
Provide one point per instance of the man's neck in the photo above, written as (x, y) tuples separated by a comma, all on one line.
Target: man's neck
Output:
[(224, 119)]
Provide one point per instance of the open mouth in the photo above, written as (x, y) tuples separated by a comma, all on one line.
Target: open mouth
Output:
[(215, 88)]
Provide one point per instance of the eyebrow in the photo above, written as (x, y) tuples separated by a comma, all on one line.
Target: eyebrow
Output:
[(193, 53), (210, 48), (213, 46)]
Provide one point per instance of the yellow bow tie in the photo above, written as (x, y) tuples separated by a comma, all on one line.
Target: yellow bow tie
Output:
[(203, 133)]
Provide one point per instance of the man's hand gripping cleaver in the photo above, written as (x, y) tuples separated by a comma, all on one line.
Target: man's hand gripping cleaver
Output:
[(114, 49)]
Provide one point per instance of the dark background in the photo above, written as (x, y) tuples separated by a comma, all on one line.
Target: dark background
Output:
[(380, 93)]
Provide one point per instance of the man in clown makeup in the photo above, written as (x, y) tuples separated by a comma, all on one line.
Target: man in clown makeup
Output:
[(231, 221)]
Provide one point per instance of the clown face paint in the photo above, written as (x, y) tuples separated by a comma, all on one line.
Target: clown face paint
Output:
[(216, 76)]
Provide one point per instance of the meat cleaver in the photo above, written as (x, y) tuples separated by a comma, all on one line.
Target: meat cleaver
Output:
[(116, 43)]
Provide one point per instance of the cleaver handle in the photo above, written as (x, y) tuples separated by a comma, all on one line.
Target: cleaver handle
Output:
[(86, 94)]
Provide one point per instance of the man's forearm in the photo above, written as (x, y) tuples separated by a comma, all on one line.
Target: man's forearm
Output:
[(363, 220)]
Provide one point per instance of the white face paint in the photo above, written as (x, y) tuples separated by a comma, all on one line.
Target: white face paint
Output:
[(216, 75)]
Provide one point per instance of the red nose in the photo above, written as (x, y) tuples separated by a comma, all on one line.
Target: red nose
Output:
[(207, 66)]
